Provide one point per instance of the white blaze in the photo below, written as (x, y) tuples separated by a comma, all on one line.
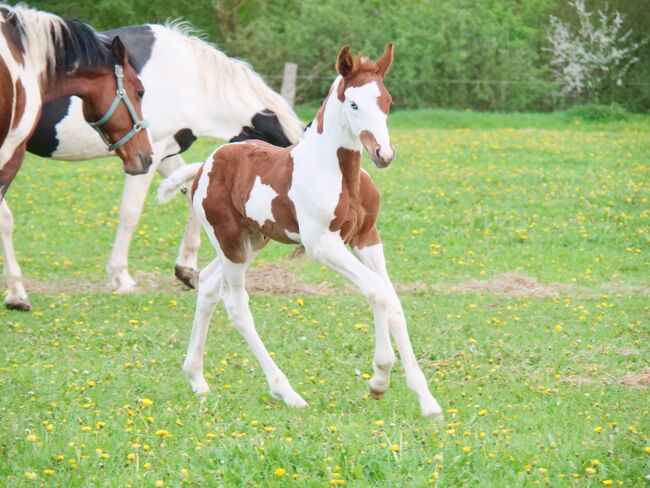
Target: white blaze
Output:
[(258, 206)]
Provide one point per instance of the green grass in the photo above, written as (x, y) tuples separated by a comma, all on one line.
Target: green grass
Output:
[(530, 386)]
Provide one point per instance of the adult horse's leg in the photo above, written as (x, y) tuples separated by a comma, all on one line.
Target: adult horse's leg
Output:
[(373, 258), (186, 268), (235, 300), (331, 251), (133, 196), (208, 297), (17, 298)]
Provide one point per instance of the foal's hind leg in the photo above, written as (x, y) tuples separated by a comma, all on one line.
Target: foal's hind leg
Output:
[(373, 258), (186, 268), (208, 297), (235, 299), (17, 298)]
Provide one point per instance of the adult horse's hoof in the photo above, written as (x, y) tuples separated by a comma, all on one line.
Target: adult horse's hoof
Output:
[(21, 304), (377, 395), (186, 275)]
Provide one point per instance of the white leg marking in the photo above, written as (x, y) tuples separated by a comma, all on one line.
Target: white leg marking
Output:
[(133, 196), (331, 251), (187, 260), (210, 282), (17, 297), (236, 301), (373, 258)]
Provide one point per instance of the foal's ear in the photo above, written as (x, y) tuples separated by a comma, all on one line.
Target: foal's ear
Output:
[(120, 51), (386, 59), (345, 63)]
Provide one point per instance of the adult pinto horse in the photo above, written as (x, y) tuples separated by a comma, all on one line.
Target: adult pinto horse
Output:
[(192, 90), (43, 57), (314, 193)]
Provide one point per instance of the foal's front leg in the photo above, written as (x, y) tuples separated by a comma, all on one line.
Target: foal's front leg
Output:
[(331, 251), (373, 258), (387, 311)]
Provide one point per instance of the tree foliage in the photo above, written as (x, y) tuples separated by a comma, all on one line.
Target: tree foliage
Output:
[(481, 54), (593, 55)]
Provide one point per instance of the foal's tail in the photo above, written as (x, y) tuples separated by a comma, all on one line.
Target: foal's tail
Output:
[(176, 181)]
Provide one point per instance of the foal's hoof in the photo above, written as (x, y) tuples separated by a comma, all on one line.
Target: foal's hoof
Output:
[(186, 275), (21, 304)]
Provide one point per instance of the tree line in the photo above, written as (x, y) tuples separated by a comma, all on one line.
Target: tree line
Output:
[(478, 54)]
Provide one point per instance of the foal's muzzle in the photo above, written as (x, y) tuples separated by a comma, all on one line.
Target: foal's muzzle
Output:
[(381, 157)]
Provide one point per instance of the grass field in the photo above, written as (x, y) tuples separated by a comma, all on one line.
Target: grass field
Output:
[(522, 244)]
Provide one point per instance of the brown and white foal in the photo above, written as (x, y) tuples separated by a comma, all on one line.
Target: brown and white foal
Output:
[(314, 193)]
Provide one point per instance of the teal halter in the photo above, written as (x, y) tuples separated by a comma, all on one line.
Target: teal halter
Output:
[(121, 96)]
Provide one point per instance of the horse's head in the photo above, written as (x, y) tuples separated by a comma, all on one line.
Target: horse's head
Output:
[(366, 102), (112, 105)]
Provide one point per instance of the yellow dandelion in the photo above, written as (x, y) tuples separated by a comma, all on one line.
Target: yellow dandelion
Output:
[(30, 475), (31, 438), (146, 402), (280, 471)]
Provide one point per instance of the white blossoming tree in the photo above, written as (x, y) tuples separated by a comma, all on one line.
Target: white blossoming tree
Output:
[(592, 55)]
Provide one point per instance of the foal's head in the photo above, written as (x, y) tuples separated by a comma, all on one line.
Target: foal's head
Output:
[(366, 102)]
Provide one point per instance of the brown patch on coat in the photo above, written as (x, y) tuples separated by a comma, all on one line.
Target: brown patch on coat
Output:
[(320, 116), (19, 105), (6, 101), (11, 167), (356, 212), (369, 142), (363, 72), (195, 183), (14, 40), (235, 168)]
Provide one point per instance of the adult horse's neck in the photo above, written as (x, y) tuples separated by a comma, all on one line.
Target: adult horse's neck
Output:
[(72, 84)]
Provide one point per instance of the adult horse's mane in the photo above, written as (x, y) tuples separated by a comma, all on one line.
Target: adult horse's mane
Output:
[(227, 75), (56, 46)]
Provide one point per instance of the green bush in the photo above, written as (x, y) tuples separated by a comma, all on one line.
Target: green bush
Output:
[(598, 113)]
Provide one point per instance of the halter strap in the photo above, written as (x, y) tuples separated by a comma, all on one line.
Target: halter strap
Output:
[(120, 96)]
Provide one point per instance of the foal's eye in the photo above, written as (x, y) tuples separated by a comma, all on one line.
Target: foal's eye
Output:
[(140, 94), (354, 106)]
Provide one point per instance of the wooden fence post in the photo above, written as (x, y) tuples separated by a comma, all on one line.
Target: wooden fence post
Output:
[(288, 91)]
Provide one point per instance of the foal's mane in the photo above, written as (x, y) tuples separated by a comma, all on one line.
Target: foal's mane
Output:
[(235, 82), (55, 46)]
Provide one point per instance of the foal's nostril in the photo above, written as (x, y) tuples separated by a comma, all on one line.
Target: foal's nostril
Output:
[(377, 153)]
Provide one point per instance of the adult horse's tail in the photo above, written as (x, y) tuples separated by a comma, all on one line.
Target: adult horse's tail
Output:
[(179, 179)]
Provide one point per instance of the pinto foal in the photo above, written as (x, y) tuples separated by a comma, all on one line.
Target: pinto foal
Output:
[(314, 193)]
